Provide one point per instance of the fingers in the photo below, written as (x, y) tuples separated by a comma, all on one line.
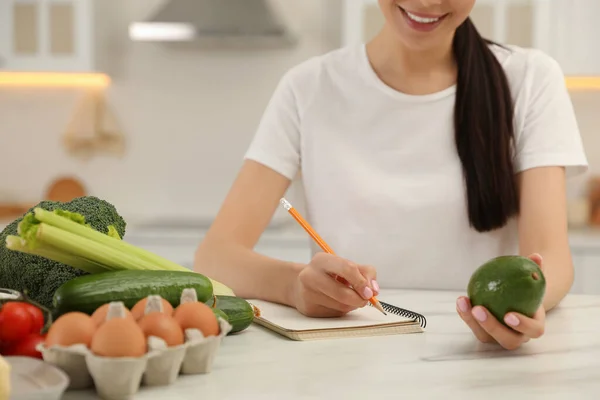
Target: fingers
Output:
[(317, 304), (342, 295), (334, 305), (529, 327), (331, 264), (506, 337), (463, 307), (318, 311), (370, 273), (318, 294)]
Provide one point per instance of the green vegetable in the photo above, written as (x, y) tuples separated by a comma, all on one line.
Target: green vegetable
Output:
[(508, 284), (42, 270), (220, 314), (87, 293), (240, 313), (77, 244)]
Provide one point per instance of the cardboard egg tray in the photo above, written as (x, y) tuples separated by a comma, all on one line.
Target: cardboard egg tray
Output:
[(121, 378)]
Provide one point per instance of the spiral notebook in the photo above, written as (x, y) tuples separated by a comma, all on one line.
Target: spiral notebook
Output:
[(363, 322)]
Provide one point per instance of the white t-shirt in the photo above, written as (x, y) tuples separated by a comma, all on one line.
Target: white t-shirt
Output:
[(380, 170)]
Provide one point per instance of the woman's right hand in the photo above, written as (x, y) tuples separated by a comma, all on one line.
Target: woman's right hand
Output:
[(318, 294)]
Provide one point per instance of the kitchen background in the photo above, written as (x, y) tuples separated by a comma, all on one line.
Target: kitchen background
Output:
[(160, 128)]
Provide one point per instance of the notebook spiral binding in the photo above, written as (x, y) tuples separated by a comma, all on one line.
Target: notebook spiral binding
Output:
[(404, 313)]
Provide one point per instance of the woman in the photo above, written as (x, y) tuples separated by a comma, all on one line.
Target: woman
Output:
[(423, 153)]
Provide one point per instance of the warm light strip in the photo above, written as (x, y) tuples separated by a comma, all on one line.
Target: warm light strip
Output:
[(102, 80), (161, 31), (65, 79), (583, 82)]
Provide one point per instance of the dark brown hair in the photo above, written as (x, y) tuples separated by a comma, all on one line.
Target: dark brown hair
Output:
[(483, 122)]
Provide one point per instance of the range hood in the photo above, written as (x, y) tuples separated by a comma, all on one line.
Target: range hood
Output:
[(215, 23)]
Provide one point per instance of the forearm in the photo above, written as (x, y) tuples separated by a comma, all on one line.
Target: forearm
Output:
[(247, 273), (543, 228), (558, 271)]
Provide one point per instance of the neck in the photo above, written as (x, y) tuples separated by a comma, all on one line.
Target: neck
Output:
[(409, 70)]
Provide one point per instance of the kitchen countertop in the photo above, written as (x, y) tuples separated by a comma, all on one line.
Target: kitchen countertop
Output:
[(444, 362)]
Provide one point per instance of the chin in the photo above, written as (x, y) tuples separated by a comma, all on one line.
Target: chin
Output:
[(421, 29)]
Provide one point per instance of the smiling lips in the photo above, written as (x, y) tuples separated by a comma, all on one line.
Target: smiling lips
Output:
[(422, 22)]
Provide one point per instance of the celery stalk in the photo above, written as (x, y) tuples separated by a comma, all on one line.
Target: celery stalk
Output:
[(146, 259), (82, 247), (49, 218), (16, 243)]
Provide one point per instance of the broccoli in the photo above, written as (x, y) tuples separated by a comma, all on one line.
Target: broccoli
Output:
[(40, 276)]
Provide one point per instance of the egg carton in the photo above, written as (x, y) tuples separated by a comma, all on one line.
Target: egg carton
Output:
[(121, 378)]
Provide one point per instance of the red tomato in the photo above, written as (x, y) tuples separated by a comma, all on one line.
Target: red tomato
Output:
[(15, 322), (26, 346), (37, 317)]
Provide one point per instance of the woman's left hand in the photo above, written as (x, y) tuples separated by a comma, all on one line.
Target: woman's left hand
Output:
[(489, 330)]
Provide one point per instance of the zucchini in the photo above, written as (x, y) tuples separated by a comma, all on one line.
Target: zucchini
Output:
[(240, 313), (88, 292)]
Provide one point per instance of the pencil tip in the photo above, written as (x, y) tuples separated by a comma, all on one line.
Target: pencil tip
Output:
[(380, 308)]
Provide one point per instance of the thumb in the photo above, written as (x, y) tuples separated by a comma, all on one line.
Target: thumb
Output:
[(370, 274), (537, 258)]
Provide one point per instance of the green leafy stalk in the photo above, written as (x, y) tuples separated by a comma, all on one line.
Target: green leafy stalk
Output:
[(83, 247), (112, 232), (75, 217), (67, 225), (70, 234), (27, 229), (16, 243)]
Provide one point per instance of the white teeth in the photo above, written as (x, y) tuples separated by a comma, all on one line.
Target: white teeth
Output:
[(421, 19)]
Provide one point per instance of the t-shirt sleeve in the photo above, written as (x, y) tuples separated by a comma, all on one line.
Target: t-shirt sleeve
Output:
[(550, 134), (276, 143)]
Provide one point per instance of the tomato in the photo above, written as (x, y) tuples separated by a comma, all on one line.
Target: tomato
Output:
[(37, 317), (26, 346), (16, 322)]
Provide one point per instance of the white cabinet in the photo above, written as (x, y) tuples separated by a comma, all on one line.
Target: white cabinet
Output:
[(361, 20), (579, 285), (567, 30), (564, 29), (591, 271), (46, 35), (587, 273), (587, 270)]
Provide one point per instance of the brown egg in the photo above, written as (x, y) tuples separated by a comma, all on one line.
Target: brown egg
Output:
[(119, 337), (140, 308), (99, 316), (162, 326), (71, 328), (196, 315)]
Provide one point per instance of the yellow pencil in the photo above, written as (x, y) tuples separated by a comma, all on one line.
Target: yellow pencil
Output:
[(286, 204)]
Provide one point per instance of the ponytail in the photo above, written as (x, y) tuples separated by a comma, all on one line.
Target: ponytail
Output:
[(483, 122)]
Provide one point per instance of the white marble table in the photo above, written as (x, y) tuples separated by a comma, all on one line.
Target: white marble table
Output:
[(445, 362)]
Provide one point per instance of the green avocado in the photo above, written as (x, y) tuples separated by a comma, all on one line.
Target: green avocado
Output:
[(508, 284)]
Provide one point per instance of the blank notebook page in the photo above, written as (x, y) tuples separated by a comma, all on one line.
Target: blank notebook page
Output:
[(291, 319)]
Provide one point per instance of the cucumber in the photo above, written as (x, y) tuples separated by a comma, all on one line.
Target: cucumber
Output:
[(88, 292), (220, 314), (240, 313)]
